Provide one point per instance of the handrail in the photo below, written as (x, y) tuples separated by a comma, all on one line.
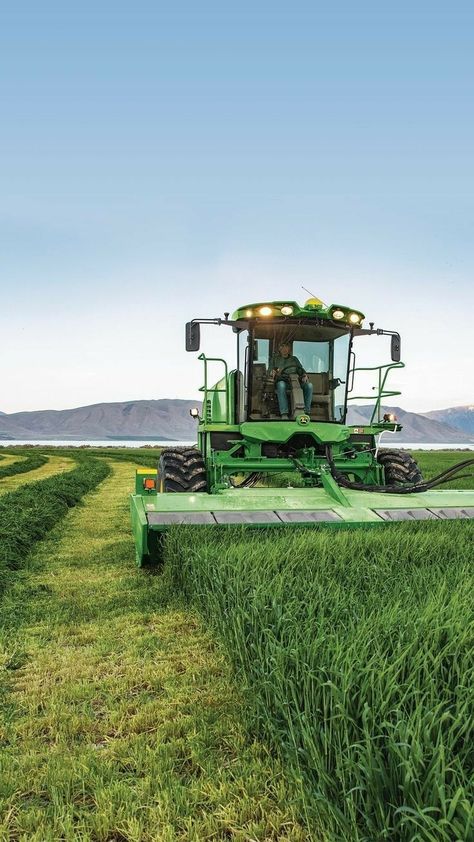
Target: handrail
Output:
[(209, 389), (382, 392)]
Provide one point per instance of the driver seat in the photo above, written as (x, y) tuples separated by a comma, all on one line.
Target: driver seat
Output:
[(321, 401)]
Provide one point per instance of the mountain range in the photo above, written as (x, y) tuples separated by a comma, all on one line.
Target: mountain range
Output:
[(417, 427), (169, 419), (461, 417), (147, 419)]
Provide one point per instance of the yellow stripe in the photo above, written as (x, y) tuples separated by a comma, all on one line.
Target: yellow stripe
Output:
[(146, 471)]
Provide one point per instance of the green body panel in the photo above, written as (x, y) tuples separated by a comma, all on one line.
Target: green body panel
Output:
[(139, 527), (281, 431)]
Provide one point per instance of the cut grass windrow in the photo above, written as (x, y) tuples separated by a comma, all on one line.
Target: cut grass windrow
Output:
[(9, 458), (356, 653), (24, 462), (27, 514), (52, 466), (121, 719)]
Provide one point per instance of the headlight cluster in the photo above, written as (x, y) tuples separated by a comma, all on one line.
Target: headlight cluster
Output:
[(341, 315), (266, 310)]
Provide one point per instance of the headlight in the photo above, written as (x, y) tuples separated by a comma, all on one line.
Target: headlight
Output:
[(265, 311), (194, 412), (248, 313), (354, 318), (287, 310), (338, 314)]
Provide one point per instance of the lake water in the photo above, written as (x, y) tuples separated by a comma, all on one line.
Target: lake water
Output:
[(153, 443), (89, 443)]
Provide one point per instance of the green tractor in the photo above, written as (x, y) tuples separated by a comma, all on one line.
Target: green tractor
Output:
[(282, 410)]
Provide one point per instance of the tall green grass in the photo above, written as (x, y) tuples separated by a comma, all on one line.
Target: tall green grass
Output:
[(355, 650)]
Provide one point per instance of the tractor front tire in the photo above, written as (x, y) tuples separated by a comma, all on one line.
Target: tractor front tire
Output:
[(182, 470), (399, 467)]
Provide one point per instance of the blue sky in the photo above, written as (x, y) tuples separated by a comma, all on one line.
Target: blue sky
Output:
[(160, 161)]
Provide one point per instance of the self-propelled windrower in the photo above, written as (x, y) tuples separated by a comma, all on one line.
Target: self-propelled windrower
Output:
[(283, 408)]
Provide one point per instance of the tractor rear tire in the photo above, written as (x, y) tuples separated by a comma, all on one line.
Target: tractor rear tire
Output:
[(182, 470), (399, 467)]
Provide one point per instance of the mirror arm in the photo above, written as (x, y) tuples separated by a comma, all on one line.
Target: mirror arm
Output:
[(360, 331), (240, 323)]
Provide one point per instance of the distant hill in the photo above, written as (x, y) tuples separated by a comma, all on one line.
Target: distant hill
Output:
[(460, 417), (170, 419), (416, 427), (163, 419)]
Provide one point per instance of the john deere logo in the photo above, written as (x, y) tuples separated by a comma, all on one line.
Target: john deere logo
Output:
[(304, 419)]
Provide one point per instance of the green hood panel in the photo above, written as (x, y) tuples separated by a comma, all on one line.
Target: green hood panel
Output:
[(281, 431)]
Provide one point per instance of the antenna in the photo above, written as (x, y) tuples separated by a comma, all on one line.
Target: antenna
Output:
[(308, 290)]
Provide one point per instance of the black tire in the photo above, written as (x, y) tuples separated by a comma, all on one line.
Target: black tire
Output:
[(182, 470), (399, 467)]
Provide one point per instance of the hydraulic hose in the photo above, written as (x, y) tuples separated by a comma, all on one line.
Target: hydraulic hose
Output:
[(249, 482), (409, 488)]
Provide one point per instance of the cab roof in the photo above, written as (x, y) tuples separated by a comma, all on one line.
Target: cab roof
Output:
[(312, 308)]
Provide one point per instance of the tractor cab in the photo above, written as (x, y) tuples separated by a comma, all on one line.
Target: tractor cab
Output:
[(319, 353), (294, 363)]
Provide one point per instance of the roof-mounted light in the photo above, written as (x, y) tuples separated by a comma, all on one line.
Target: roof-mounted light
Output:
[(287, 310), (249, 313), (265, 311), (354, 318), (338, 314)]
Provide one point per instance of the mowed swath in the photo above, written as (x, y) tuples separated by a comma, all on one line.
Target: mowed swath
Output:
[(122, 719), (9, 459), (54, 465)]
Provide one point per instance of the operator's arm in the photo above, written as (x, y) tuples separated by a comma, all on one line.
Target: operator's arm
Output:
[(274, 365)]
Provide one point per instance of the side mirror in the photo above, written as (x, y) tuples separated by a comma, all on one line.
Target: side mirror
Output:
[(395, 347), (193, 336)]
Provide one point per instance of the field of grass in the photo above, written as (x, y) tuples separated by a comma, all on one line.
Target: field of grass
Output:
[(293, 685)]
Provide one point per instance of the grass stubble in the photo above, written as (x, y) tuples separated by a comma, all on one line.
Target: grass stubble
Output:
[(121, 718)]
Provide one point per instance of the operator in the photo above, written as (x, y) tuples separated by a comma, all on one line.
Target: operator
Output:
[(282, 365)]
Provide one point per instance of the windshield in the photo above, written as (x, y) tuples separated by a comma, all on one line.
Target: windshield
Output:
[(297, 368)]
